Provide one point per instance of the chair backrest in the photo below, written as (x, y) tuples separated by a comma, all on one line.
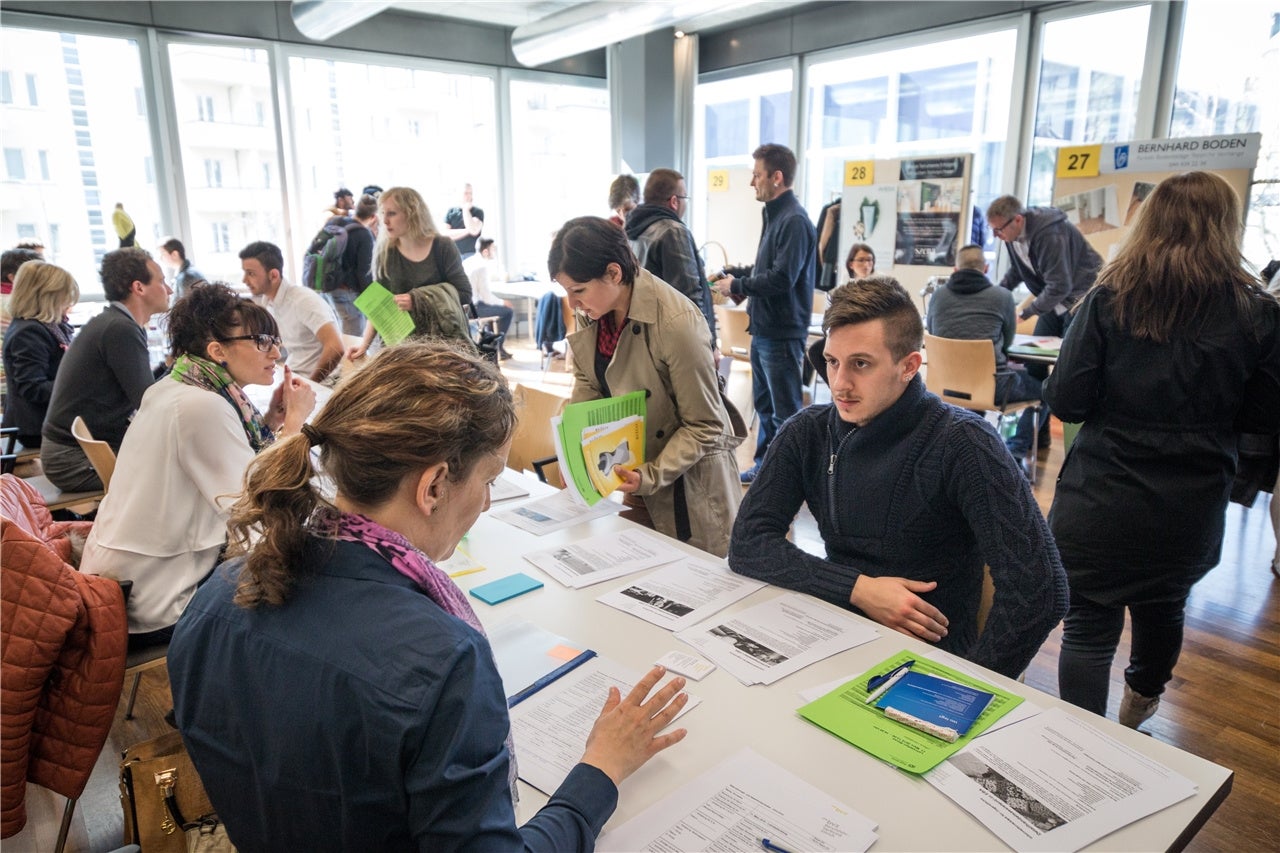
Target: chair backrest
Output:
[(100, 454), (735, 340), (533, 438), (961, 372)]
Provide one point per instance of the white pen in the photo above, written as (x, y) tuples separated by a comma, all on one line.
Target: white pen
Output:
[(879, 691)]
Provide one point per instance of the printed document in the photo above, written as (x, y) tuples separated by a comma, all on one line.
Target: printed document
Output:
[(554, 512), (682, 594), (776, 638), (550, 728), (737, 803), (1055, 782), (604, 557)]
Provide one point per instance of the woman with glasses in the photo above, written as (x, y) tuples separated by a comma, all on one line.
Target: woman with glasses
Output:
[(163, 522), (861, 261)]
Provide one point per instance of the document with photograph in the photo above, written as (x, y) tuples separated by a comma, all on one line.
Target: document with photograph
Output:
[(737, 803), (550, 728), (604, 557), (776, 638), (1055, 782), (682, 594), (554, 512)]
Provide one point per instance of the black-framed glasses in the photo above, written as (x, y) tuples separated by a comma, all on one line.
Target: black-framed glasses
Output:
[(998, 230), (264, 343)]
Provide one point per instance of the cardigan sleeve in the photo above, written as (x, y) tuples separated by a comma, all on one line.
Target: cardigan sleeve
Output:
[(1075, 386), (31, 349), (793, 243)]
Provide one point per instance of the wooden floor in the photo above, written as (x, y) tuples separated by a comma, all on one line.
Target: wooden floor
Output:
[(1223, 703)]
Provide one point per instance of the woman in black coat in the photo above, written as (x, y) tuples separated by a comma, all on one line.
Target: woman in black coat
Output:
[(1174, 351), (34, 344)]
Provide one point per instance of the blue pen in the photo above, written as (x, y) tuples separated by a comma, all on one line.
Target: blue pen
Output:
[(766, 844), (877, 680)]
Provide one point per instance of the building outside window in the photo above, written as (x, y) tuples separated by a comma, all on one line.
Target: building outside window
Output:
[(33, 96), (13, 164)]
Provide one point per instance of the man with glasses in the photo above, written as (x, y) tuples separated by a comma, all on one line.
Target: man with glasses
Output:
[(307, 323), (663, 243), (105, 371), (1050, 256)]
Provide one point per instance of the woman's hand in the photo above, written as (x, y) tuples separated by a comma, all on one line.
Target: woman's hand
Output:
[(291, 404), (630, 479), (404, 301), (357, 352), (625, 735)]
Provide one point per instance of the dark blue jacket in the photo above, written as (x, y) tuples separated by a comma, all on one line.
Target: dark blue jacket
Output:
[(357, 716), (781, 282)]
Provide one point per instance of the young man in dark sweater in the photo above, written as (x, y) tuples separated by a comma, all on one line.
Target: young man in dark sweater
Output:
[(912, 496)]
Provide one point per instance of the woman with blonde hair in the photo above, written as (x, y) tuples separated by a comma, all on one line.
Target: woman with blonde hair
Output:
[(34, 344), (420, 266), (1174, 351), (334, 687)]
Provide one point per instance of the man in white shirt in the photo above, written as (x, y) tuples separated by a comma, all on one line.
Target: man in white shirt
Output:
[(481, 268), (308, 327)]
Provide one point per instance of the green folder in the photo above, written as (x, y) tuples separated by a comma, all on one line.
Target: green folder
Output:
[(845, 714), (578, 416)]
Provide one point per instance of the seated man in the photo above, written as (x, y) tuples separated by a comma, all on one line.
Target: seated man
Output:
[(481, 268), (911, 495), (105, 371), (971, 308), (308, 327)]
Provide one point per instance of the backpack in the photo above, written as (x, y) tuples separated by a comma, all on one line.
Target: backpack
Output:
[(322, 264)]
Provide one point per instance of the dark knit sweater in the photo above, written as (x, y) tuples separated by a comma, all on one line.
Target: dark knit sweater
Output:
[(925, 491)]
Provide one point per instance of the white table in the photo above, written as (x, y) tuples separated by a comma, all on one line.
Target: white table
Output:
[(529, 292), (911, 814)]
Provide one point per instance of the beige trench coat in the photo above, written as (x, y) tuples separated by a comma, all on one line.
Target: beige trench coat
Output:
[(665, 350)]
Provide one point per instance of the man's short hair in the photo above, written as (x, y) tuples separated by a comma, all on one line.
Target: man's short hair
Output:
[(373, 190), (971, 257), (342, 191), (366, 207), (661, 186), (14, 258), (485, 243), (30, 243), (878, 297), (267, 254), (173, 244), (1006, 207), (624, 188), (777, 158), (120, 269)]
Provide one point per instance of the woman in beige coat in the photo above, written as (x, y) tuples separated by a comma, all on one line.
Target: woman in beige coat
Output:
[(644, 335)]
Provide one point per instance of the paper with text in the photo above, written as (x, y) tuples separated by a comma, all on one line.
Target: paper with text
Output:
[(681, 594), (392, 322), (554, 512), (604, 557)]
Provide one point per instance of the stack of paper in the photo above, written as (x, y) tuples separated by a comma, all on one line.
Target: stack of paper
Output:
[(735, 805), (593, 436), (605, 557), (681, 594), (771, 640), (554, 512)]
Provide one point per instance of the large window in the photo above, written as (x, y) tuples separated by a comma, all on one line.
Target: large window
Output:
[(560, 157), (1228, 83), (358, 124), (73, 148), (1090, 77), (216, 90), (939, 98)]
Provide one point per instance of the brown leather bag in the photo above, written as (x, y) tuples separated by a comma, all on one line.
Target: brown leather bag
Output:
[(166, 809)]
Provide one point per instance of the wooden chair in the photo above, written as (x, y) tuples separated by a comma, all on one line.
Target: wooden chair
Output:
[(963, 373), (101, 456), (735, 340), (13, 455), (533, 448)]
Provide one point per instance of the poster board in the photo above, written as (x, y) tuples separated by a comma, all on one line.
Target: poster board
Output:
[(1100, 187), (733, 216), (914, 212)]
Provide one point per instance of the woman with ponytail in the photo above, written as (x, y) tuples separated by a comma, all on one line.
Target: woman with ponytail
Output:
[(334, 688), (163, 522)]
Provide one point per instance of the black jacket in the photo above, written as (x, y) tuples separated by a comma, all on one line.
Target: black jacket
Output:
[(1140, 503), (32, 353), (781, 282), (664, 246), (1063, 264)]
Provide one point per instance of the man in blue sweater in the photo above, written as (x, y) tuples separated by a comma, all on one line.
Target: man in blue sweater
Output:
[(781, 289), (912, 496)]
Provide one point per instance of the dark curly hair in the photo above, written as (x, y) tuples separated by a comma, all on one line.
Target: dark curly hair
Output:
[(210, 312)]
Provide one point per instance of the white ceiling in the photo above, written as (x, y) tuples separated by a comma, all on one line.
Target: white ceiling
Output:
[(509, 13)]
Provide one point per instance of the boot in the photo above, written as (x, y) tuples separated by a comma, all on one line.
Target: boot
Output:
[(1136, 709)]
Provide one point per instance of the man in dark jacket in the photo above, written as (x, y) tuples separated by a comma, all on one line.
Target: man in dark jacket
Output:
[(781, 289), (971, 308), (1050, 256), (663, 243)]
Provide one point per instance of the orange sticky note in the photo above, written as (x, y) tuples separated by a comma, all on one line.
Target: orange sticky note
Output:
[(563, 652)]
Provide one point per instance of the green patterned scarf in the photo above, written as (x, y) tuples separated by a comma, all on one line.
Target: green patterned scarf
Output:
[(203, 373)]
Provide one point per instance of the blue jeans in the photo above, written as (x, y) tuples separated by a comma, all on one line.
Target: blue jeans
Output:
[(502, 312), (776, 367), (1090, 635), (350, 320)]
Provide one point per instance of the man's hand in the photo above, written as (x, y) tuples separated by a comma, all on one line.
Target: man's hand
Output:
[(723, 285), (893, 602)]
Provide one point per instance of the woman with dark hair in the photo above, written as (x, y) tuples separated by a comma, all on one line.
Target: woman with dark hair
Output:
[(333, 685), (162, 524), (34, 344), (1174, 351), (645, 335), (861, 261)]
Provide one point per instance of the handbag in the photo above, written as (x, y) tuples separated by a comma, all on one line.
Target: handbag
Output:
[(159, 791)]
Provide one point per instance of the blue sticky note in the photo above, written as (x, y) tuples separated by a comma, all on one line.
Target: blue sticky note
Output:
[(500, 590)]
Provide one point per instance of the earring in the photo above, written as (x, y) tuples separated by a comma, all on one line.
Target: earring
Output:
[(223, 363)]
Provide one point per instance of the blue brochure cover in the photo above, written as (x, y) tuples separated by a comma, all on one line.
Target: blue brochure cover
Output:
[(936, 700)]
